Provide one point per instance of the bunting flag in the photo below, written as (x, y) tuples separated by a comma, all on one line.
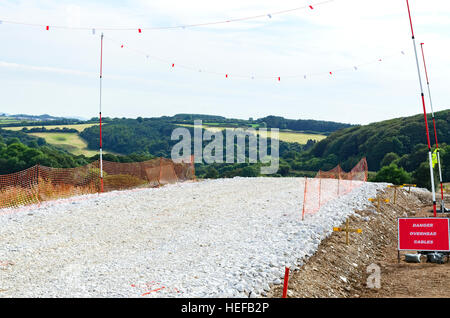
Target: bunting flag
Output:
[(202, 70), (182, 26), (253, 76)]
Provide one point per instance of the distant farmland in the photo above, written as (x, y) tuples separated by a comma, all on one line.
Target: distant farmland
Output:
[(70, 142), (79, 127), (6, 120), (287, 136)]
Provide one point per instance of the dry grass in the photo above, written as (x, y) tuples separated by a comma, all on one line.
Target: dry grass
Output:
[(446, 187), (11, 197), (49, 191), (79, 127), (122, 181), (17, 196)]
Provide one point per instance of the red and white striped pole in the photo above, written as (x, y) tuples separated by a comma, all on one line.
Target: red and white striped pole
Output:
[(435, 131), (424, 112), (100, 113)]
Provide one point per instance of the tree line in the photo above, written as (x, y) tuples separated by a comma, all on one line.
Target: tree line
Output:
[(394, 148)]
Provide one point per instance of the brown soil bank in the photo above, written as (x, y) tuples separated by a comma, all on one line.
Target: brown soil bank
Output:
[(340, 270)]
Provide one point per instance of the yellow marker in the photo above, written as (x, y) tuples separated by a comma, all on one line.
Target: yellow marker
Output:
[(378, 200), (409, 186), (347, 230)]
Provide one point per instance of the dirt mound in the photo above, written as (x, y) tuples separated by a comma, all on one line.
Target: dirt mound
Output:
[(340, 270)]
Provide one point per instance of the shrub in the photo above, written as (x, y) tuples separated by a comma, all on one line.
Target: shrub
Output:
[(392, 174), (389, 158), (211, 173)]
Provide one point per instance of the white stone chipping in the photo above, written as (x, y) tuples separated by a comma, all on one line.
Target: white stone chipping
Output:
[(215, 238)]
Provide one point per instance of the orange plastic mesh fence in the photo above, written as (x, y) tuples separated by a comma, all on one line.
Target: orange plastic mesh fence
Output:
[(329, 185), (40, 183), (19, 188)]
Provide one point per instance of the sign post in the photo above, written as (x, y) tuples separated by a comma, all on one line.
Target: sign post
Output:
[(395, 191), (409, 186)]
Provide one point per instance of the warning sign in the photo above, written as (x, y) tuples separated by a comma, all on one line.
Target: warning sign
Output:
[(423, 234)]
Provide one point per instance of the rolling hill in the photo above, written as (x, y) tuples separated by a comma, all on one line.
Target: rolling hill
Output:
[(400, 141), (403, 136)]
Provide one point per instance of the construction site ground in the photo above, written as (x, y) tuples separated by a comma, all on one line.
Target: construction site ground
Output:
[(341, 270)]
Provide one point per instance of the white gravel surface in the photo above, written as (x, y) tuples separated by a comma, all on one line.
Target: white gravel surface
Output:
[(216, 238)]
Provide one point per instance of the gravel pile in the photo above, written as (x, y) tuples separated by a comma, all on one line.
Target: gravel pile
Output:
[(216, 238)]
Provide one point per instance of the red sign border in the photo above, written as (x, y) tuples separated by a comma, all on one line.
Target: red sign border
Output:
[(427, 250)]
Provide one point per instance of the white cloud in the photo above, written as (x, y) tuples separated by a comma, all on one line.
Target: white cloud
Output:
[(44, 69)]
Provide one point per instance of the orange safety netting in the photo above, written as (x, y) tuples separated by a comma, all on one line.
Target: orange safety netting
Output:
[(40, 183), (329, 185)]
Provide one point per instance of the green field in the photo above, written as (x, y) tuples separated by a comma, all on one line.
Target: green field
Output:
[(287, 136), (71, 142), (4, 121), (79, 127)]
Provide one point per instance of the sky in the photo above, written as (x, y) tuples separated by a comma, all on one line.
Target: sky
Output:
[(57, 71)]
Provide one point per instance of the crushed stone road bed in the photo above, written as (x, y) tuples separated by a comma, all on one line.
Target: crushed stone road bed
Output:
[(215, 238)]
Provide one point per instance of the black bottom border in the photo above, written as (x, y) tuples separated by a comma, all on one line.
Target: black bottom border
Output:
[(214, 307)]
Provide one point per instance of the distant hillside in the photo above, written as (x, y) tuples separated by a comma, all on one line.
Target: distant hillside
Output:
[(7, 120), (152, 135), (128, 136), (19, 151), (306, 125), (301, 125), (400, 141), (403, 136)]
